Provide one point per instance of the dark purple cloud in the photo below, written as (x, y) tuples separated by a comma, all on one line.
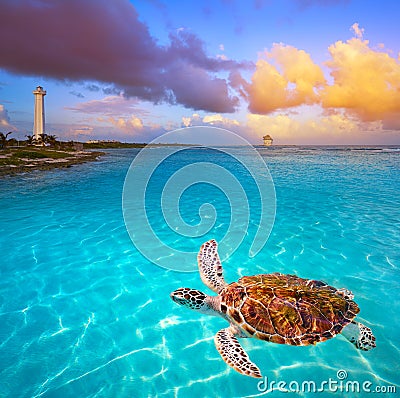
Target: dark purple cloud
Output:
[(204, 92), (104, 41)]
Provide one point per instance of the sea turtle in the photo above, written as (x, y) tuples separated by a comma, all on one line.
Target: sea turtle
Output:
[(278, 308)]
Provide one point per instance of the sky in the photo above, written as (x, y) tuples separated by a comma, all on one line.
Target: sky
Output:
[(319, 72)]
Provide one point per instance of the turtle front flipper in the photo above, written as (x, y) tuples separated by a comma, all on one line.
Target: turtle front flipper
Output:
[(347, 294), (233, 353), (210, 266), (359, 335)]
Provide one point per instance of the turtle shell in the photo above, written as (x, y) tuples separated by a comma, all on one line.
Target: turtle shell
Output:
[(286, 309)]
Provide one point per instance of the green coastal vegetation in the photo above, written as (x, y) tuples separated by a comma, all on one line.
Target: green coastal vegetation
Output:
[(117, 144), (111, 145), (47, 153)]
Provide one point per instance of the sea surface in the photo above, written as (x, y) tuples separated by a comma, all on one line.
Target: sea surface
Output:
[(84, 314)]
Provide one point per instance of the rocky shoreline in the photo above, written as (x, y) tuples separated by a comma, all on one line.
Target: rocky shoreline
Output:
[(21, 160)]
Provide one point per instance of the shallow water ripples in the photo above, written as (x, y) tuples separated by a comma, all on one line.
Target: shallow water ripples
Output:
[(83, 314)]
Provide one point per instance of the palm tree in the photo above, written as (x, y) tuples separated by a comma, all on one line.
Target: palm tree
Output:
[(52, 139), (3, 139), (47, 139), (29, 139), (42, 139)]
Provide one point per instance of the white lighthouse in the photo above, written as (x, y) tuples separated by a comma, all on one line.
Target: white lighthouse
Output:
[(38, 122)]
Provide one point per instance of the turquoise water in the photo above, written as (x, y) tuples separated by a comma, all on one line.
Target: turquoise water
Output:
[(84, 314)]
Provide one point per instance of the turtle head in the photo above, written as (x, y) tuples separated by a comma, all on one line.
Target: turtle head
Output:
[(190, 298)]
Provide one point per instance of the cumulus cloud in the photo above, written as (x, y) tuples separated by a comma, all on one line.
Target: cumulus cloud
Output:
[(280, 126), (127, 130), (286, 78), (216, 120), (130, 124), (119, 112), (104, 41), (80, 131), (5, 120), (329, 128), (366, 81), (357, 30), (194, 120)]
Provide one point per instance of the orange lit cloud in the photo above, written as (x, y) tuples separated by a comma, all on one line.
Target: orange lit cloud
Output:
[(130, 124), (117, 111), (320, 129), (80, 131), (357, 30), (280, 126), (366, 82), (293, 82), (215, 119), (194, 120)]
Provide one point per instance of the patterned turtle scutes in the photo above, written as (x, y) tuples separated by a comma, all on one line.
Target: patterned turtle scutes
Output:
[(233, 295), (286, 309), (278, 308)]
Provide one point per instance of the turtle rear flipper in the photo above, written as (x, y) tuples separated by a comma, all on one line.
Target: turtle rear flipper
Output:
[(359, 335), (210, 266), (233, 354)]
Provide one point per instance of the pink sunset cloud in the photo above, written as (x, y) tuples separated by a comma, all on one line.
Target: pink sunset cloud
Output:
[(113, 105)]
